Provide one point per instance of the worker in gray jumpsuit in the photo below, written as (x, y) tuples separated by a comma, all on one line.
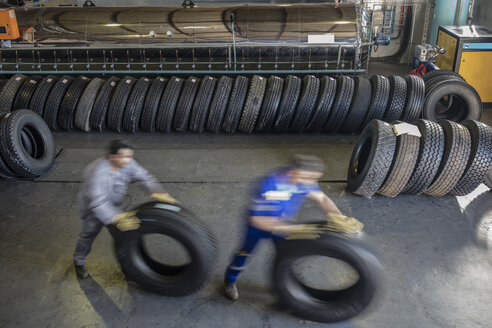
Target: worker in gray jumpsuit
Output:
[(105, 184)]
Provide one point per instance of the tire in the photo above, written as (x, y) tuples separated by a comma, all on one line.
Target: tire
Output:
[(86, 103), (219, 104), (429, 159), (52, 106), (415, 98), (25, 93), (288, 105), (236, 102), (480, 160), (466, 103), (253, 104), (151, 105), (38, 99), (327, 305), (379, 99), (12, 150), (341, 106), (371, 159), (450, 74), (307, 101), (70, 101), (9, 91), (269, 108), (403, 164), (99, 112), (156, 277), (199, 112), (457, 146), (185, 103), (118, 103), (167, 106), (133, 108), (324, 104), (397, 98), (359, 106)]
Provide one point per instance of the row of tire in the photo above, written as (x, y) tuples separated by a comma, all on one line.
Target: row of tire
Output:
[(447, 157), (259, 104), (27, 146)]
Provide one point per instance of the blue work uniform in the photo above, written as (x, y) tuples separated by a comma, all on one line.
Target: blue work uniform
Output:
[(101, 196), (275, 196)]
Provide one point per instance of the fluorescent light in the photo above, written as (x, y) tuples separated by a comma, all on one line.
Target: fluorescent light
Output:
[(112, 25), (195, 27), (343, 22)]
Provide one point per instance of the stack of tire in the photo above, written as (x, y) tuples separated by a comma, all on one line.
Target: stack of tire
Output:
[(228, 104), (27, 148), (447, 158)]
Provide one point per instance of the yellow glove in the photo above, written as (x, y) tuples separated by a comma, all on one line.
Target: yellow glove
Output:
[(164, 197), (344, 223), (127, 221)]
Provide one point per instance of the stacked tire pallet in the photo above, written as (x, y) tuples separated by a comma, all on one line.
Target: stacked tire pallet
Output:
[(27, 148), (227, 104), (447, 157)]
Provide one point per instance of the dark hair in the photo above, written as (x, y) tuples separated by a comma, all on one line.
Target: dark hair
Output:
[(308, 163), (118, 144)]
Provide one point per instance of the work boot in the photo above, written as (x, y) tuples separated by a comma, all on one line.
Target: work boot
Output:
[(231, 290), (81, 271)]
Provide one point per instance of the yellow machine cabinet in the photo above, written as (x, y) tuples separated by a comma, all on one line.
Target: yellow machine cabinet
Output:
[(8, 25), (469, 53)]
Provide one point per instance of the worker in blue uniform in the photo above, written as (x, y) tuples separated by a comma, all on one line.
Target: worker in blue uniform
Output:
[(277, 199), (105, 183)]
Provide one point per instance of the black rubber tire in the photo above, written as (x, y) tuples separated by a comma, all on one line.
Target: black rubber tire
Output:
[(288, 105), (429, 83), (341, 106), (27, 143), (38, 99), (151, 105), (466, 101), (371, 159), (2, 83), (69, 103), (12, 150), (415, 99), (324, 104), (397, 98), (236, 102), (252, 107), (133, 108), (118, 103), (201, 107), (359, 106), (101, 105), (26, 91), (307, 101), (379, 99), (167, 106), (457, 146), (86, 103), (52, 106), (429, 159), (179, 224), (185, 104), (269, 108), (480, 160), (219, 104), (5, 172), (450, 74), (327, 305), (9, 91), (403, 164)]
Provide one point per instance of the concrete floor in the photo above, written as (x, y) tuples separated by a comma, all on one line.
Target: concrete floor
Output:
[(437, 253)]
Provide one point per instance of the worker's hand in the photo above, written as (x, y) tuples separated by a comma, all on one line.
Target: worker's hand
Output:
[(164, 197), (127, 221), (344, 223)]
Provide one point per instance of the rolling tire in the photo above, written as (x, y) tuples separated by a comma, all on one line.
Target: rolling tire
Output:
[(327, 305), (151, 105), (288, 105), (167, 106), (269, 108), (236, 102), (219, 104), (156, 277), (38, 99), (118, 103), (99, 112), (133, 108), (307, 101), (253, 104), (86, 103), (324, 104), (371, 159)]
